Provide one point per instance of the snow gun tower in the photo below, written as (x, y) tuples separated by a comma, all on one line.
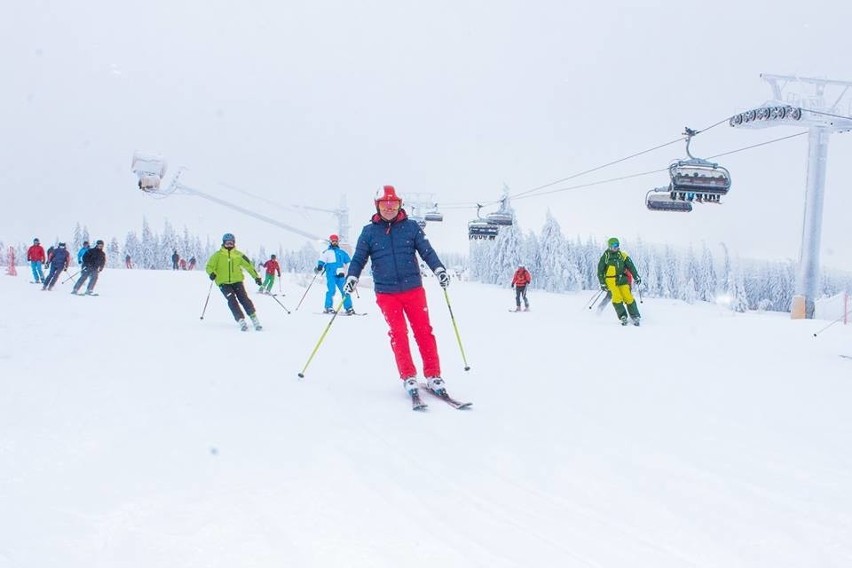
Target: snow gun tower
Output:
[(802, 102), (150, 170)]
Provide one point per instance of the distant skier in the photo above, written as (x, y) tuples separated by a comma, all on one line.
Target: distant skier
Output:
[(80, 253), (520, 281), (391, 241), (613, 268), (36, 258), (93, 263), (272, 267), (334, 262), (175, 260), (58, 263), (191, 265), (225, 267), (127, 262)]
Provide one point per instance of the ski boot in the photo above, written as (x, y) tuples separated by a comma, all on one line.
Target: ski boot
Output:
[(410, 386), (436, 385), (243, 324), (623, 320), (328, 311), (350, 312), (256, 322), (636, 320)]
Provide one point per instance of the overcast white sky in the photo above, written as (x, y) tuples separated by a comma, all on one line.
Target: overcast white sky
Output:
[(307, 102)]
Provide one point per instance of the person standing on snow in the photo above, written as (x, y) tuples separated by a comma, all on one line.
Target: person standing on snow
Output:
[(390, 241), (334, 261), (613, 268), (225, 267), (272, 267), (175, 260), (80, 253), (58, 262), (35, 256), (520, 281), (92, 263)]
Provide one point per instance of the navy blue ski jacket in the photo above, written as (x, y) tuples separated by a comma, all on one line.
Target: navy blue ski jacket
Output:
[(391, 245)]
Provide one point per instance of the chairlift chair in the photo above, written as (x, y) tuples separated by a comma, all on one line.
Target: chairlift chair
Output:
[(434, 215), (479, 229), (665, 202), (501, 219), (698, 176)]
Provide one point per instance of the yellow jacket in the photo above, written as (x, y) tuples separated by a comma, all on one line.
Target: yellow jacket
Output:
[(227, 265)]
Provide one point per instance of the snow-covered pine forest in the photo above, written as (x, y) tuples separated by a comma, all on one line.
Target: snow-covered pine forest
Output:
[(557, 262)]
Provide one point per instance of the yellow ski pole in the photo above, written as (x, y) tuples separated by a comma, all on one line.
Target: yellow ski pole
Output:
[(316, 348), (455, 327)]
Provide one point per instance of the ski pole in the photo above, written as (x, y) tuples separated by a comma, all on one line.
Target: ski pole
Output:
[(639, 289), (306, 290), (280, 304), (207, 300), (325, 331), (280, 290), (595, 299), (455, 327), (832, 323), (70, 277)]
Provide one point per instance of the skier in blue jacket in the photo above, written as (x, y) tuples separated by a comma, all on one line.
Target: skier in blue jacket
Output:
[(392, 242), (334, 261)]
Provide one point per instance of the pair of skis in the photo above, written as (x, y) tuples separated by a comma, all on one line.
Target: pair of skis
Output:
[(418, 404)]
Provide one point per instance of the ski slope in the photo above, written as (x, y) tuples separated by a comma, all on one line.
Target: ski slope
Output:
[(135, 434)]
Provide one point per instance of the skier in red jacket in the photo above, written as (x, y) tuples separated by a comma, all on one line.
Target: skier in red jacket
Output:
[(520, 281), (35, 256)]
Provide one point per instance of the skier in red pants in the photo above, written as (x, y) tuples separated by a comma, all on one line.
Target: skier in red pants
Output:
[(391, 240)]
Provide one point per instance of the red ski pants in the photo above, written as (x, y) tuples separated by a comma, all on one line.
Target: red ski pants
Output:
[(396, 308)]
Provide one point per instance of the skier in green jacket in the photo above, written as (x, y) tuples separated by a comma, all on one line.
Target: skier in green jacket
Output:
[(613, 268), (225, 267)]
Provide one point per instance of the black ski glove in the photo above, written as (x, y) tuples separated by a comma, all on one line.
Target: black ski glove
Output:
[(258, 281), (603, 287), (212, 276)]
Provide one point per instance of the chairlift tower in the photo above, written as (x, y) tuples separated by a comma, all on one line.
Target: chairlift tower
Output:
[(804, 102), (342, 214)]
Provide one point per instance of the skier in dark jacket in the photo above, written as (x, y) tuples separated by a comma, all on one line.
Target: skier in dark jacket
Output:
[(390, 241), (94, 261), (58, 262)]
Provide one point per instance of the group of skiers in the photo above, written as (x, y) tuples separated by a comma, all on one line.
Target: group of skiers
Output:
[(90, 259), (178, 263), (392, 241)]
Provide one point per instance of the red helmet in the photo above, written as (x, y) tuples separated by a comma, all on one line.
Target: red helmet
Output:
[(387, 193), (333, 238)]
